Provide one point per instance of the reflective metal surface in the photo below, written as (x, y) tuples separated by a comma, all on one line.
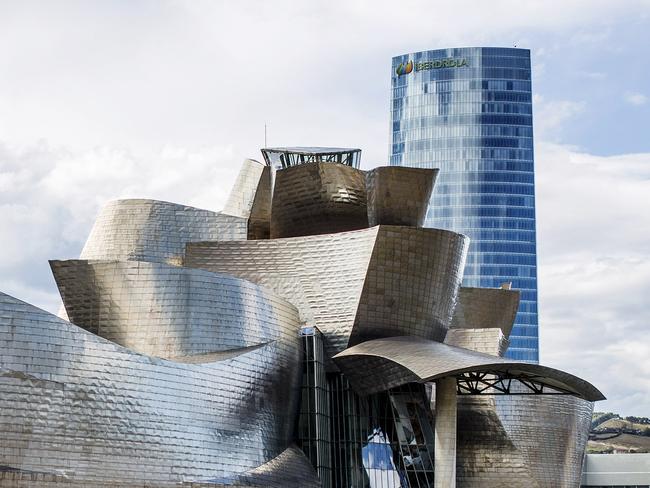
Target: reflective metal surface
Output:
[(259, 221), (289, 469), (522, 441), (385, 363), (88, 411), (250, 198), (487, 341), (151, 230), (353, 286), (318, 198), (399, 196), (411, 285), (550, 432), (487, 457), (174, 312), (242, 194), (517, 441), (486, 308), (192, 339), (324, 285)]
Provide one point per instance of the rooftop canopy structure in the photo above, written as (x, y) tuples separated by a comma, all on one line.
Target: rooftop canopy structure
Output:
[(285, 157), (381, 364)]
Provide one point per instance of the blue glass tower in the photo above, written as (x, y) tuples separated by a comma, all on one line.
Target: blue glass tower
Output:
[(468, 111)]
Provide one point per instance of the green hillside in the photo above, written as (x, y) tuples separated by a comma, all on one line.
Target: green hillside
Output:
[(612, 433)]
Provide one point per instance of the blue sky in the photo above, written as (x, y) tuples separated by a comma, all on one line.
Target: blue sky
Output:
[(164, 99), (605, 72)]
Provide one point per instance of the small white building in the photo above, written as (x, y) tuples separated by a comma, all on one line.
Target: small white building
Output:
[(616, 470)]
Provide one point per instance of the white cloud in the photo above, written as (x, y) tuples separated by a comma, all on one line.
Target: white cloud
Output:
[(634, 98), (198, 72), (592, 75), (50, 198), (594, 270), (551, 115)]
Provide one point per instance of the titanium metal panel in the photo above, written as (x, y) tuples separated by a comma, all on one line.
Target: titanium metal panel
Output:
[(551, 432), (322, 276), (84, 411), (487, 341), (412, 284), (250, 198), (172, 312), (486, 456), (318, 198), (486, 308), (212, 402), (151, 230), (399, 196), (242, 194), (259, 221), (545, 435), (385, 363), (291, 468), (377, 282)]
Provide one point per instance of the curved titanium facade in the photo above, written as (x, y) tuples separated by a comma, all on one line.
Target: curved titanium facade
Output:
[(152, 230), (399, 196), (468, 111), (353, 286), (480, 308), (318, 198), (290, 468), (78, 405), (521, 441), (195, 330), (487, 456), (551, 432), (173, 312), (517, 441), (324, 285), (259, 221), (242, 195), (250, 198), (488, 341)]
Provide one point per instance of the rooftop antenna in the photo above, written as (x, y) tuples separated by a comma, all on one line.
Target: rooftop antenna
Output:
[(264, 134)]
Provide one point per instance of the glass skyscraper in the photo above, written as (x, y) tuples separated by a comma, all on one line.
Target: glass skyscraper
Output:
[(468, 111)]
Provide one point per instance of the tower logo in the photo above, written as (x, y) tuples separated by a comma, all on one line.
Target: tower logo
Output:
[(404, 69)]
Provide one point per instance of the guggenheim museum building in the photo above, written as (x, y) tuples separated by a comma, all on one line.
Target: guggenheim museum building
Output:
[(311, 334)]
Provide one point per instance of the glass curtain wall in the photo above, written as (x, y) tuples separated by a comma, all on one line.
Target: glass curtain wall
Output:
[(376, 441), (381, 441), (313, 432), (468, 111)]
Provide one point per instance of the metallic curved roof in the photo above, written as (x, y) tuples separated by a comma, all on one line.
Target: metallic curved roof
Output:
[(380, 364)]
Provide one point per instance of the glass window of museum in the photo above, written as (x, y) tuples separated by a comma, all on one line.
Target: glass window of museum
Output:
[(468, 111)]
